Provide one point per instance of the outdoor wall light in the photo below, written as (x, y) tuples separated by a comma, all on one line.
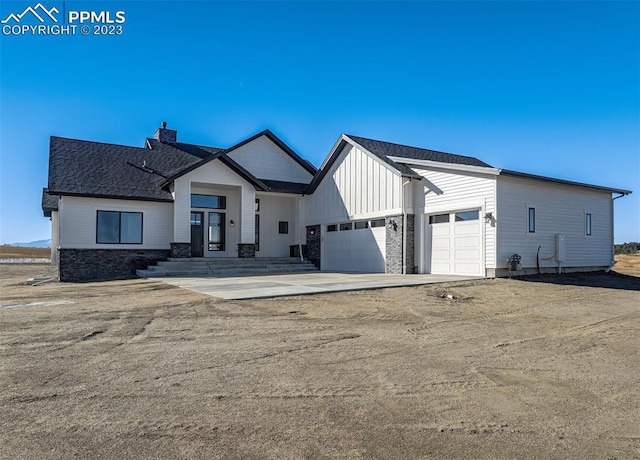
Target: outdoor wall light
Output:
[(488, 217), (312, 232), (394, 224), (232, 223)]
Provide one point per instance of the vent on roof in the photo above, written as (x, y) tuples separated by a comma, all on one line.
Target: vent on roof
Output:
[(166, 135)]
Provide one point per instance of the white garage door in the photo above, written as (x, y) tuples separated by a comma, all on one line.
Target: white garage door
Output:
[(354, 247), (456, 243)]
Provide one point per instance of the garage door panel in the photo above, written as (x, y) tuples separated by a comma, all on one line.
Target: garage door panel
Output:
[(466, 242), (455, 246), (466, 228), (441, 230), (466, 269), (358, 250), (441, 243)]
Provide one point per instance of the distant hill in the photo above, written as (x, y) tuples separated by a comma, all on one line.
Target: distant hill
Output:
[(33, 244)]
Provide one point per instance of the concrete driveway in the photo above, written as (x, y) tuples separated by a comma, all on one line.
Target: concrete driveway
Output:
[(263, 286)]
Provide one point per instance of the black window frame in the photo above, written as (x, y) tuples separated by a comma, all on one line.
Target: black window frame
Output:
[(332, 228), (531, 220), (361, 225), (346, 226), (376, 223), (444, 218), (283, 227), (462, 216), (119, 213), (222, 201), (219, 246), (588, 224), (257, 232)]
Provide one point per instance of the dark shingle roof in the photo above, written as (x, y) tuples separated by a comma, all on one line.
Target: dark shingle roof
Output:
[(388, 149), (49, 202), (107, 170), (86, 168)]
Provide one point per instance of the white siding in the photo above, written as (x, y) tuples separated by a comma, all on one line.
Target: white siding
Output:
[(357, 186), (266, 160), (77, 219), (274, 209), (55, 236), (559, 209), (458, 191)]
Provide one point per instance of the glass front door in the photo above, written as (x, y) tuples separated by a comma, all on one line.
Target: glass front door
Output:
[(197, 234)]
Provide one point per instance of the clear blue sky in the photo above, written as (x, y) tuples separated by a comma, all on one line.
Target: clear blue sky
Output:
[(550, 88)]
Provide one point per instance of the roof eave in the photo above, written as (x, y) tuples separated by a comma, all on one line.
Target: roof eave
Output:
[(521, 175), (111, 197)]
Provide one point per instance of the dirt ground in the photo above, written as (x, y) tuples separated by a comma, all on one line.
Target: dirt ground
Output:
[(539, 368)]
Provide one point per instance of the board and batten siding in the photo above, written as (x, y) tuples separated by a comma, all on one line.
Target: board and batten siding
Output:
[(559, 209), (265, 160), (77, 220), (357, 186), (461, 191)]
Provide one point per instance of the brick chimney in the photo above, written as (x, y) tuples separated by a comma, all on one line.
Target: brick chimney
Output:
[(166, 135)]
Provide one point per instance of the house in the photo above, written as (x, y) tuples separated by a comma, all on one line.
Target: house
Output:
[(372, 206)]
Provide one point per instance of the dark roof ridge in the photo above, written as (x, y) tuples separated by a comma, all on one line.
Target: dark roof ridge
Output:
[(97, 142), (355, 138)]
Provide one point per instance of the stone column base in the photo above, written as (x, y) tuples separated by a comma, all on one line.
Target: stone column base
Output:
[(180, 250), (246, 250), (313, 244)]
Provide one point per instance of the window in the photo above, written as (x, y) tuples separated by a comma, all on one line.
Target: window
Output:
[(587, 224), (346, 226), (217, 226), (208, 201), (257, 204), (439, 219), (363, 224), (257, 231), (467, 215), (332, 228), (532, 220), (283, 227), (377, 223), (114, 227)]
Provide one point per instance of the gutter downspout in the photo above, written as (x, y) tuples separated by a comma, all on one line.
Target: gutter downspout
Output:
[(404, 230), (613, 243)]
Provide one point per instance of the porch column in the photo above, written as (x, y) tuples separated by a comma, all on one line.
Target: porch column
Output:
[(247, 245), (181, 245)]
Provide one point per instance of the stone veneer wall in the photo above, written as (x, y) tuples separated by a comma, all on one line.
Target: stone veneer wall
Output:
[(181, 250), (393, 260), (246, 250), (105, 264), (313, 244)]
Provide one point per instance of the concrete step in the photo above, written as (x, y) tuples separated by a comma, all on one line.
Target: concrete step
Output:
[(225, 273), (225, 267), (234, 260), (246, 268)]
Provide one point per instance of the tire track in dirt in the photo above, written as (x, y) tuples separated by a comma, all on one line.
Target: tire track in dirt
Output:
[(617, 320), (524, 310), (324, 341)]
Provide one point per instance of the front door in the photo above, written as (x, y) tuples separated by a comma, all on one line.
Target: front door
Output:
[(197, 234)]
